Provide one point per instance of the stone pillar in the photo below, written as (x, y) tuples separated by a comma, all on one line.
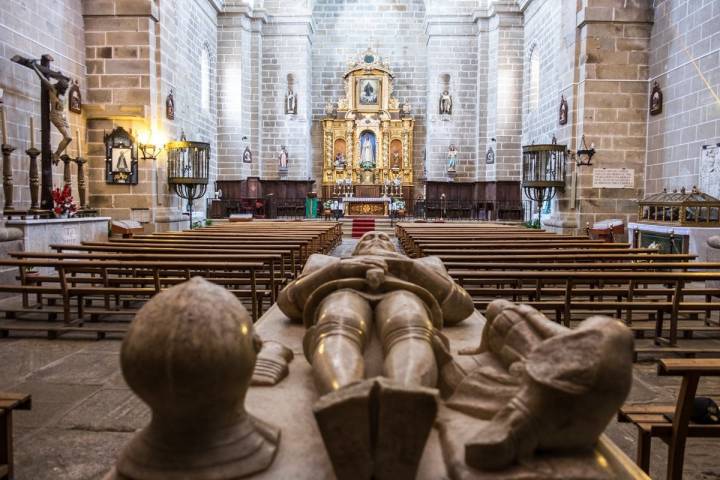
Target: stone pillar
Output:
[(504, 91), (453, 65), (120, 44), (611, 111), (287, 60)]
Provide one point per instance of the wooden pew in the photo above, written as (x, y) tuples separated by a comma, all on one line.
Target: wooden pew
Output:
[(570, 290), (651, 420), (9, 402)]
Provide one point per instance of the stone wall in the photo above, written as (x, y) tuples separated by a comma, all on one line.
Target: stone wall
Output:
[(346, 28), (685, 61), (30, 28)]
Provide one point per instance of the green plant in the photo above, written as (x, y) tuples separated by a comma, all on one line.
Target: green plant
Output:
[(208, 222), (533, 224)]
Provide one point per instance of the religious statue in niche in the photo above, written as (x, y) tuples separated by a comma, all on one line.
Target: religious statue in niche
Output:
[(58, 116), (121, 164), (290, 102), (340, 161), (452, 158), (283, 157), (446, 103), (75, 98), (563, 117), (170, 106), (656, 100), (367, 151), (247, 155), (396, 159)]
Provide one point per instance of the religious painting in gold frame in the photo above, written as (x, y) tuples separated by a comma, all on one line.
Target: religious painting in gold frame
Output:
[(368, 93)]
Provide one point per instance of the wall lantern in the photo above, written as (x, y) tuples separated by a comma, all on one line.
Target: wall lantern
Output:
[(586, 152)]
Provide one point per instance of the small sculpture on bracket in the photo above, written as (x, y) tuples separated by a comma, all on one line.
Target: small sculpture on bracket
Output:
[(283, 159), (656, 100), (170, 106), (563, 115), (247, 155), (452, 159)]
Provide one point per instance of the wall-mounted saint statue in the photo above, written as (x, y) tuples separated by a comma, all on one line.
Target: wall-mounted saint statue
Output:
[(452, 158), (290, 102), (395, 159), (58, 116), (656, 100), (563, 117), (340, 161), (247, 155), (283, 157), (446, 103), (75, 98), (170, 106)]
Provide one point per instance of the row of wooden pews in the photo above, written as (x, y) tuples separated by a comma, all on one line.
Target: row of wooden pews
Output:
[(571, 277), (97, 287), (574, 277)]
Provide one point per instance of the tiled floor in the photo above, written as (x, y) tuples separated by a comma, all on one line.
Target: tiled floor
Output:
[(83, 413)]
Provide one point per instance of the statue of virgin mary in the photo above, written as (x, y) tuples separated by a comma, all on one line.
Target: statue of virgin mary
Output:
[(367, 150)]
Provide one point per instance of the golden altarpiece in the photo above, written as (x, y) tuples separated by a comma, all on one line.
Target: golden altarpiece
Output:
[(368, 141)]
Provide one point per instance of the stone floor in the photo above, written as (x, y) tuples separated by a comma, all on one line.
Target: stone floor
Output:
[(83, 413)]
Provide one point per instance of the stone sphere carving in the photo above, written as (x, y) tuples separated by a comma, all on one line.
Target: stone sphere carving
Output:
[(190, 354)]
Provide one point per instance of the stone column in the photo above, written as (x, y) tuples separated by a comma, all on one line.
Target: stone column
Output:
[(287, 60), (611, 111), (504, 90), (120, 43), (239, 80), (452, 60)]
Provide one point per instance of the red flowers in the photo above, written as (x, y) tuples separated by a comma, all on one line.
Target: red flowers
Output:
[(64, 203)]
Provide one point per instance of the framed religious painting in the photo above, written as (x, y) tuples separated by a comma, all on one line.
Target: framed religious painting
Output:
[(75, 98), (121, 161), (368, 93)]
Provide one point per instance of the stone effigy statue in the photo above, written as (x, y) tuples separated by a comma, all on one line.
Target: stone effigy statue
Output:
[(190, 355), (341, 302), (532, 385)]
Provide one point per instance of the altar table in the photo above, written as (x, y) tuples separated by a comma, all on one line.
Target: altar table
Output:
[(366, 205)]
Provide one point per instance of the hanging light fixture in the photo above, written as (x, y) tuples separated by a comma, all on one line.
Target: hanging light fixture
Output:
[(188, 167)]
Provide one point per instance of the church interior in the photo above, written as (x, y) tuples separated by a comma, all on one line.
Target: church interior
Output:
[(376, 239)]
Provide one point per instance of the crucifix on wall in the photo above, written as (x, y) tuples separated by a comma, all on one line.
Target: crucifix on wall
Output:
[(49, 92)]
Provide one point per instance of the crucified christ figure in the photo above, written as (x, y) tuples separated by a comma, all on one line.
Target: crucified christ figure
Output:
[(58, 115)]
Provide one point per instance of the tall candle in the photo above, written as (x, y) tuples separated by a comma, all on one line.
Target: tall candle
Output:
[(79, 145), (4, 124), (32, 132)]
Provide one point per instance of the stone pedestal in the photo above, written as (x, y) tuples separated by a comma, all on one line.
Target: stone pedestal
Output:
[(11, 240), (39, 234)]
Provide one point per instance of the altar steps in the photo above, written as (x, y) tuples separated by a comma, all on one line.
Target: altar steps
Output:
[(381, 224)]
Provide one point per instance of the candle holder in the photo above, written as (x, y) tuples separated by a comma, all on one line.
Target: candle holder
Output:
[(67, 175), (7, 177), (82, 186), (34, 173)]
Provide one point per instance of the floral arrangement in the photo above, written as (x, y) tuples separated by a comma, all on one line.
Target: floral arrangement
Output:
[(366, 165), (399, 204), (64, 204), (328, 204)]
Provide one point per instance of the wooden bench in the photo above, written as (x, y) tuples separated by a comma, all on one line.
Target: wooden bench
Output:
[(8, 403), (651, 420)]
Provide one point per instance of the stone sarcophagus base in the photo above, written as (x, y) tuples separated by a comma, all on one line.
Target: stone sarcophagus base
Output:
[(302, 453)]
